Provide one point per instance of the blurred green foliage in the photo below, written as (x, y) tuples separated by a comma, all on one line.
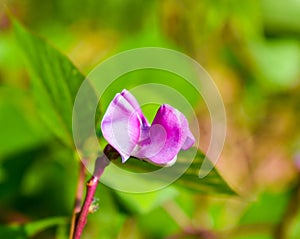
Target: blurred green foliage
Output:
[(251, 49)]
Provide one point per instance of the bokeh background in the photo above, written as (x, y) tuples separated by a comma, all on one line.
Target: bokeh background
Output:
[(250, 48)]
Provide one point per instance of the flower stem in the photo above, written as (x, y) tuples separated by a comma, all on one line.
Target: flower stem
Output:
[(79, 195), (101, 162)]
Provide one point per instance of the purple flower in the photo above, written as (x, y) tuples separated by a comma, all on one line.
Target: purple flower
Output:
[(125, 128)]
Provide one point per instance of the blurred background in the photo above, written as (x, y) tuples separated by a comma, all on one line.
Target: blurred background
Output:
[(250, 48)]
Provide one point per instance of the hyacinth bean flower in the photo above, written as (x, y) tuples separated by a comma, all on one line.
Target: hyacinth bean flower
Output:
[(126, 129)]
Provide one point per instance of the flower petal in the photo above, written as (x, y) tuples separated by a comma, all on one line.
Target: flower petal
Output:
[(132, 100), (166, 136), (190, 140), (121, 125)]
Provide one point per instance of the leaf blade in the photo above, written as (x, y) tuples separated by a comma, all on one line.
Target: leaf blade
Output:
[(213, 183), (30, 229), (55, 82)]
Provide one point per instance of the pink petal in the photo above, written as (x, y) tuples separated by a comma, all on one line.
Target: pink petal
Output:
[(132, 100), (166, 136), (121, 124), (190, 140)]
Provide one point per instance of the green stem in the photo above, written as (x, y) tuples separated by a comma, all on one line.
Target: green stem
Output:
[(290, 213)]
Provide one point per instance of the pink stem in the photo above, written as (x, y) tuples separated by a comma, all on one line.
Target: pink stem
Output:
[(78, 199), (109, 154)]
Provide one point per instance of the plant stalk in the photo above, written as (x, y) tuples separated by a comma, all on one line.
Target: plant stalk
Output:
[(101, 163), (79, 195)]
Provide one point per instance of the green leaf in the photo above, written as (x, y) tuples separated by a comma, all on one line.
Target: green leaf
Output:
[(55, 82), (19, 129), (282, 55), (256, 235), (263, 210), (146, 202), (30, 229), (275, 18), (210, 184)]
